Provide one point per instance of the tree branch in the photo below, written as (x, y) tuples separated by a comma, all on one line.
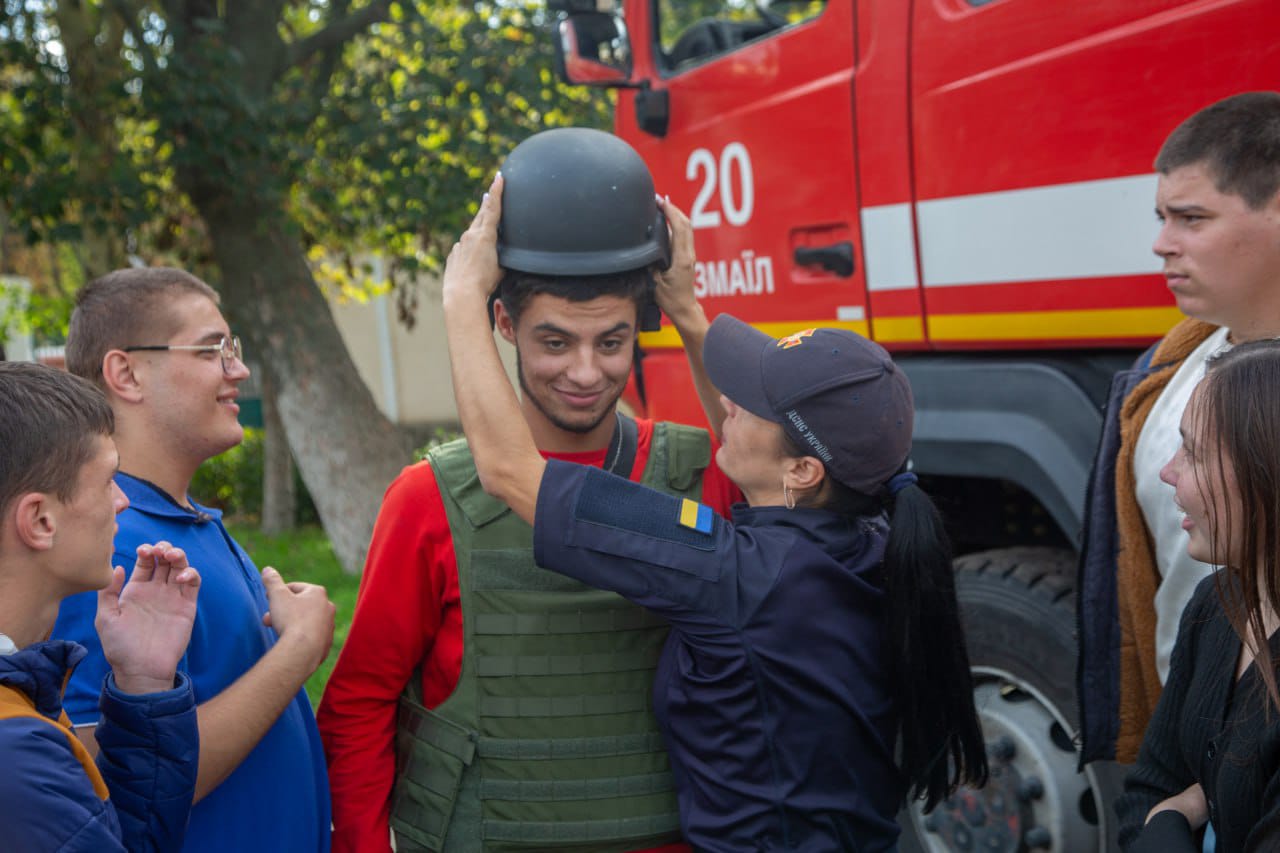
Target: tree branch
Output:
[(128, 13), (338, 32)]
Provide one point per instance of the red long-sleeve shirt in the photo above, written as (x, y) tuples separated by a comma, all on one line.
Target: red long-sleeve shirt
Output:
[(409, 612)]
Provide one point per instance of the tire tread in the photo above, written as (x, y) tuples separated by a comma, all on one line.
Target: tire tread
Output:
[(1046, 572)]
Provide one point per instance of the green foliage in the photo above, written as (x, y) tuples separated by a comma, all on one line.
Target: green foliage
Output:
[(42, 314), (232, 482), (439, 436), (260, 136), (381, 139), (407, 139), (71, 166), (305, 555)]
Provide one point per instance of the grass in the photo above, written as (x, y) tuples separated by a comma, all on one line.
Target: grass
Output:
[(305, 555)]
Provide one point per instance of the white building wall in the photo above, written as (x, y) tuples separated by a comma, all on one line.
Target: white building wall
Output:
[(406, 369)]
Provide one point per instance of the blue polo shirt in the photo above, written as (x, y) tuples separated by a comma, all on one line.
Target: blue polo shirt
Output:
[(772, 690), (278, 798)]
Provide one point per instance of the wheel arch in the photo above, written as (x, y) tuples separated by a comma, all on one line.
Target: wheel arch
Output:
[(1028, 422)]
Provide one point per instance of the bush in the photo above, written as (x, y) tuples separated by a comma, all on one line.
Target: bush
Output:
[(439, 435), (232, 482)]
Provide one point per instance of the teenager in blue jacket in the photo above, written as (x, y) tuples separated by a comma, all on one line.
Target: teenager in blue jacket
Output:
[(58, 504)]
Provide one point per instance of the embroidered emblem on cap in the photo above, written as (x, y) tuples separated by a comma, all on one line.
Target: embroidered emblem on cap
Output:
[(795, 340), (695, 516)]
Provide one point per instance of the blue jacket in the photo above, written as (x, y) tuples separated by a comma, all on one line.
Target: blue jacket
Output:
[(1097, 602), (1117, 577), (149, 746)]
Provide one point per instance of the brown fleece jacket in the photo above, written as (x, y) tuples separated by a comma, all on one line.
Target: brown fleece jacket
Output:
[(1137, 576)]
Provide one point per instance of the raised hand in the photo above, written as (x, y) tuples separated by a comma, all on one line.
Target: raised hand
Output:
[(302, 614), (145, 625), (675, 296), (472, 267), (674, 292)]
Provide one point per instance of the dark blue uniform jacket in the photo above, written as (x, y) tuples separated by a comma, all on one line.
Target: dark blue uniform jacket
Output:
[(149, 749), (772, 690), (1097, 599)]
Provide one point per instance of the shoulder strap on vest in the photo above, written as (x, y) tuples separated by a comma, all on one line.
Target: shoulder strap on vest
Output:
[(628, 444), (14, 704), (455, 472), (688, 453)]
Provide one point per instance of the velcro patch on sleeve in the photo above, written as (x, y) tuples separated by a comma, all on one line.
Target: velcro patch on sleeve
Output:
[(695, 516), (614, 502)]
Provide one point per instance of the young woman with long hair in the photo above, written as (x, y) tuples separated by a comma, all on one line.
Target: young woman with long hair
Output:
[(1212, 751), (813, 633)]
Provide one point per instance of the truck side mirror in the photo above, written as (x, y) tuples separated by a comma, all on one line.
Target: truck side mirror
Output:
[(592, 49)]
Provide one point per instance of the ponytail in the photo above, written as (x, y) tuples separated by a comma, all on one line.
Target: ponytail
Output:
[(941, 744), (941, 739)]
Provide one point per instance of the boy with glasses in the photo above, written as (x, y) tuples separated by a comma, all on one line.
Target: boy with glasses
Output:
[(155, 341)]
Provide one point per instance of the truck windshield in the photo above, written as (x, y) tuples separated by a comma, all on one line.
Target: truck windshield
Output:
[(692, 31)]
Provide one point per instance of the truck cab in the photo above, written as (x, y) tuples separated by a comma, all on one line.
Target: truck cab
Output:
[(969, 183)]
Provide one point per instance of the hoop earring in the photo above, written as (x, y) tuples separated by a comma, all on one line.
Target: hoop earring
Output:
[(788, 497)]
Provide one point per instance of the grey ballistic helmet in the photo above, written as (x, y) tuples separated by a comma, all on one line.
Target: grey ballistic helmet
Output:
[(580, 202)]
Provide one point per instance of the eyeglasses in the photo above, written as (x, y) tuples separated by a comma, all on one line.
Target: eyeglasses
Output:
[(228, 348)]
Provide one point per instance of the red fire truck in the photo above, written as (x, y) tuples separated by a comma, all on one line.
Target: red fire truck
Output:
[(969, 183)]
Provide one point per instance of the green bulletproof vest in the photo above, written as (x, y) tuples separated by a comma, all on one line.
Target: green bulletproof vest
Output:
[(549, 740)]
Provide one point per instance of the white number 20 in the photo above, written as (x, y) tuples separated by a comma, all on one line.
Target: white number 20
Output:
[(737, 209)]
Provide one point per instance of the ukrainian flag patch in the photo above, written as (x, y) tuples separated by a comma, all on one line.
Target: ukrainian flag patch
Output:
[(695, 516)]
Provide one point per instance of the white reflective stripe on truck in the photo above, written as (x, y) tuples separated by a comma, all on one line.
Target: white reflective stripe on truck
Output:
[(1079, 230)]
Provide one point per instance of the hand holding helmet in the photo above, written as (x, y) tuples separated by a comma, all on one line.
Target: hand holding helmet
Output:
[(674, 285), (472, 267)]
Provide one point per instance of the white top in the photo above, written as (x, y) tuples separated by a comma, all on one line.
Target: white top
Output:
[(6, 645), (1157, 443)]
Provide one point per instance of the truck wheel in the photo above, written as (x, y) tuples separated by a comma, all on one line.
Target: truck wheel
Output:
[(1018, 608)]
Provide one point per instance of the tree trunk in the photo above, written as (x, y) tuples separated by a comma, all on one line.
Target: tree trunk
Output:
[(279, 496), (346, 450)]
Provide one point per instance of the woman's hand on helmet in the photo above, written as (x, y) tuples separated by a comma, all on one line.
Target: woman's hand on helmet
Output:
[(674, 292), (472, 267)]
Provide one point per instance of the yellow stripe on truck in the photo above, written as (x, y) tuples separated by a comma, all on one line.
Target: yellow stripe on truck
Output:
[(1092, 324), (667, 337), (888, 330), (1054, 325)]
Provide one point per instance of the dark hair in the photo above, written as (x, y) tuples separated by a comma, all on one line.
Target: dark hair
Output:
[(1238, 140), (48, 422), (1239, 413), (941, 744), (116, 310), (517, 288)]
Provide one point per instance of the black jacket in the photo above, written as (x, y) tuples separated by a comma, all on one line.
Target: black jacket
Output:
[(1211, 729)]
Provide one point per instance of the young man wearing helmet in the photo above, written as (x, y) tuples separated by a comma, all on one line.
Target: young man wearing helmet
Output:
[(480, 702)]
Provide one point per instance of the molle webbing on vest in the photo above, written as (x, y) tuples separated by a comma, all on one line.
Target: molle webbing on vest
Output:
[(14, 703), (548, 741)]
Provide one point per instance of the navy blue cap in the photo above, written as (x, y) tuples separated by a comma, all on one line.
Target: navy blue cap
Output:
[(837, 395)]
